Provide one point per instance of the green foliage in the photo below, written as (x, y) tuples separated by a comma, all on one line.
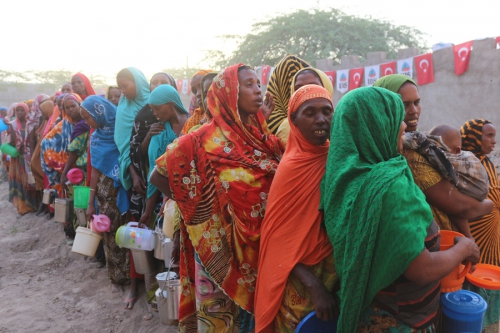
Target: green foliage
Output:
[(316, 34)]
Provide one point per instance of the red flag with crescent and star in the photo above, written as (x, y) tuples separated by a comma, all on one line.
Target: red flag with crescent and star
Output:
[(179, 84), (266, 70), (425, 69), (355, 77), (461, 53), (387, 68), (498, 39), (331, 76)]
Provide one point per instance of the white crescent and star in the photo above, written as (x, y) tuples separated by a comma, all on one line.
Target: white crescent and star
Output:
[(388, 71), (424, 61), (466, 50), (359, 77)]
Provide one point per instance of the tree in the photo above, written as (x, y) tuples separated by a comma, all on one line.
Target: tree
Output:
[(316, 34)]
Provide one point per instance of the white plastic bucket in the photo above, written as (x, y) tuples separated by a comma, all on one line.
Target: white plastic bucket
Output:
[(86, 241)]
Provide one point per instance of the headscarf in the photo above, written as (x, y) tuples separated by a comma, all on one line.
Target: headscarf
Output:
[(393, 82), (209, 76), (125, 115), (215, 167), (198, 113), (472, 136), (81, 127), (325, 81), (103, 149), (87, 84), (279, 87), (301, 170), (55, 145), (23, 140), (374, 235), (170, 78), (162, 94), (4, 108)]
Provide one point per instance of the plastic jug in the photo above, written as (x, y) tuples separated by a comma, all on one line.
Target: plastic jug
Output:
[(75, 176), (133, 237), (463, 311), (9, 150), (3, 126), (101, 223), (454, 280)]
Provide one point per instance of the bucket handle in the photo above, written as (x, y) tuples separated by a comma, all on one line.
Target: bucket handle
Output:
[(466, 270), (169, 269)]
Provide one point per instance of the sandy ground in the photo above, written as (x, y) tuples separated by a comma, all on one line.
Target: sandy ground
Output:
[(44, 287)]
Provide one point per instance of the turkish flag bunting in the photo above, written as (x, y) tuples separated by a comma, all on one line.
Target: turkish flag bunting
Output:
[(425, 69), (355, 77), (179, 85), (266, 70), (461, 54), (498, 40), (331, 76), (387, 68)]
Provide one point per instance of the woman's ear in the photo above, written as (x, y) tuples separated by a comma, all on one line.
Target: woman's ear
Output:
[(293, 116)]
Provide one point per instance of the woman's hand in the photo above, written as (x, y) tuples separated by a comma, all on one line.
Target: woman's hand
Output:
[(145, 220), (155, 129), (268, 106), (90, 212), (471, 247), (323, 301), (64, 180), (138, 184), (177, 247)]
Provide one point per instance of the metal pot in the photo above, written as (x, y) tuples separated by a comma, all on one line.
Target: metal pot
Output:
[(143, 261), (81, 216), (63, 211), (168, 299), (48, 196), (158, 245), (167, 248)]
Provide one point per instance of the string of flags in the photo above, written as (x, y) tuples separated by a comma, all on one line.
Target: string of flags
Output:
[(422, 65)]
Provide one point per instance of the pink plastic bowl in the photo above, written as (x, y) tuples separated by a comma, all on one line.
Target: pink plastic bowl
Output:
[(75, 176), (101, 223)]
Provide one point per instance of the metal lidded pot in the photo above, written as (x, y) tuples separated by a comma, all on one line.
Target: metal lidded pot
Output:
[(48, 196), (63, 211)]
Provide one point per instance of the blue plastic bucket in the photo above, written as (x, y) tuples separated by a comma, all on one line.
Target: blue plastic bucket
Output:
[(312, 324), (463, 311), (3, 126)]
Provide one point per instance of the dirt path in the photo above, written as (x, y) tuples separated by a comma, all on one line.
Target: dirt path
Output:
[(44, 287)]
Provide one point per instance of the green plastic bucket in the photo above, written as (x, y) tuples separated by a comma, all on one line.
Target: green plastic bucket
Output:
[(9, 150), (81, 196)]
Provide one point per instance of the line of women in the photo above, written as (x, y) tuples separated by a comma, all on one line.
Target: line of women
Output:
[(284, 206)]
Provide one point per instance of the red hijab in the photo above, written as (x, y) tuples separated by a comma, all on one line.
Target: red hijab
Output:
[(87, 84)]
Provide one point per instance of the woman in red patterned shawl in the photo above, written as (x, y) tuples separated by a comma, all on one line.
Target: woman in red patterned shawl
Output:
[(220, 177)]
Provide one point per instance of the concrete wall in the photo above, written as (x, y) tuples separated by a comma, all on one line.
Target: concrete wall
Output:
[(450, 99)]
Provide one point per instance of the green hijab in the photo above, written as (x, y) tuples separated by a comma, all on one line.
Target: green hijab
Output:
[(125, 115), (375, 215), (393, 82)]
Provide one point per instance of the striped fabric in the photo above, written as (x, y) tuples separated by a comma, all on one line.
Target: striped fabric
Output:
[(279, 87), (486, 230)]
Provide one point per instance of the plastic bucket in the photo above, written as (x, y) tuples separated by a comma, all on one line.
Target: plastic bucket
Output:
[(311, 323), (9, 150), (463, 311), (3, 126), (86, 241), (453, 281), (81, 196)]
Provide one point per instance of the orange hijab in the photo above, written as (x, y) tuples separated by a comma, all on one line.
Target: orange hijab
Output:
[(291, 232)]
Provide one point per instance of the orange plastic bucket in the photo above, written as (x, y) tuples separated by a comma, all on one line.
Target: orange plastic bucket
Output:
[(453, 281)]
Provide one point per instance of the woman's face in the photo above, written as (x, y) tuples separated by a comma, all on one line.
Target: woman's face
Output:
[(67, 88), (157, 80), (20, 113), (250, 95), (313, 119), (411, 100), (127, 88), (163, 112), (401, 136), (88, 119), (488, 139), (306, 77), (114, 96), (78, 86), (196, 89), (72, 108)]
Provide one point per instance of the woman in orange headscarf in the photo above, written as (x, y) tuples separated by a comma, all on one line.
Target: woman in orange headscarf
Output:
[(198, 113), (297, 277)]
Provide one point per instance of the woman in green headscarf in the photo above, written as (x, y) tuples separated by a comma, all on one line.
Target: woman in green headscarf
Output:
[(135, 89), (381, 239), (447, 203)]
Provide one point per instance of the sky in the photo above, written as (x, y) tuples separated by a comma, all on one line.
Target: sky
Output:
[(101, 37)]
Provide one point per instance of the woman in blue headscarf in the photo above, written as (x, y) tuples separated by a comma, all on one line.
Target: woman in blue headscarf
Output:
[(105, 185), (135, 89)]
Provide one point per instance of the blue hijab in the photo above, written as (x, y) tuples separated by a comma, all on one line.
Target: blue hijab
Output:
[(103, 149), (125, 115), (162, 94)]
